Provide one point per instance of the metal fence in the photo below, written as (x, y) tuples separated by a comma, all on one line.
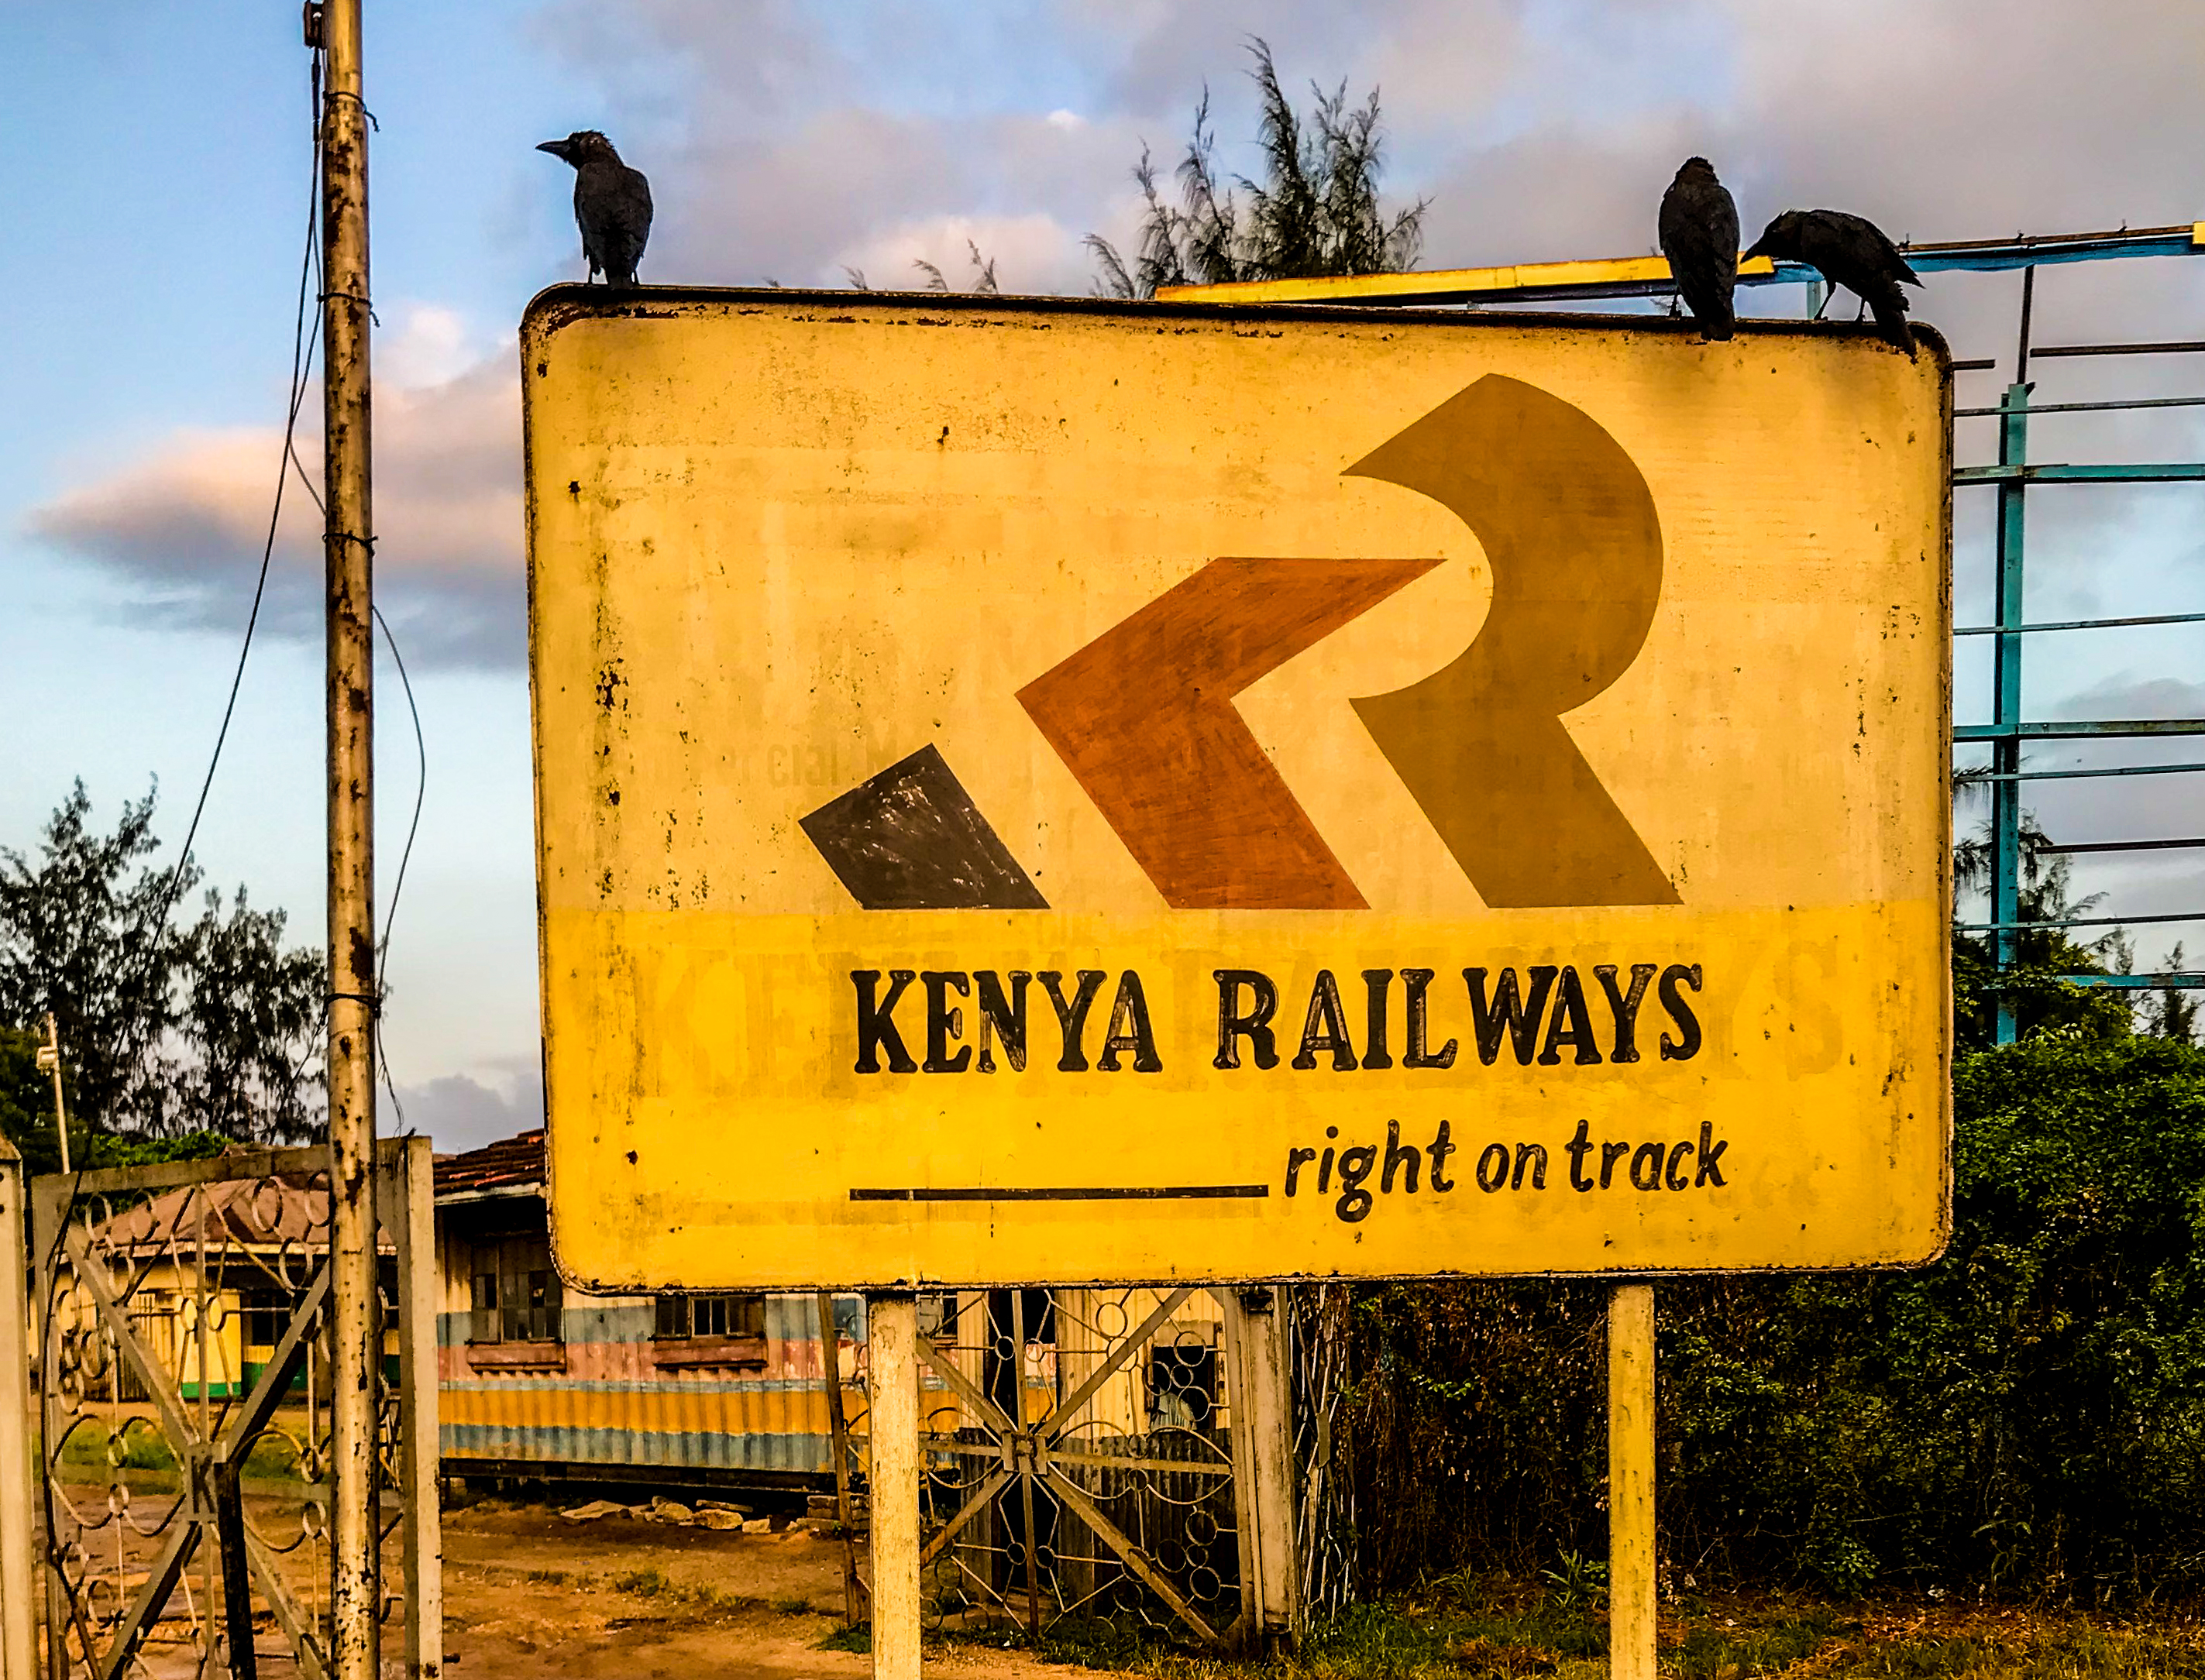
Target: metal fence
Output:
[(185, 1459)]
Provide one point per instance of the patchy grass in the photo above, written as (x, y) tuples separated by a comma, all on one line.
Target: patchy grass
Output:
[(653, 1583), (1711, 1651), (1495, 1628), (859, 1639), (144, 1460), (645, 1584), (2018, 1645)]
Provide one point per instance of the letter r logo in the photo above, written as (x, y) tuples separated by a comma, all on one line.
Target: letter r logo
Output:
[(1569, 528)]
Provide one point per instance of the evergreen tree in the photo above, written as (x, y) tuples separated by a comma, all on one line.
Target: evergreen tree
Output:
[(1317, 212)]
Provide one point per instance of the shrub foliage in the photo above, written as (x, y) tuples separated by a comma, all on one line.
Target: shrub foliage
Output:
[(2029, 1408)]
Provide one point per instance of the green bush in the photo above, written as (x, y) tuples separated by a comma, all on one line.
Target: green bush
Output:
[(2030, 1408)]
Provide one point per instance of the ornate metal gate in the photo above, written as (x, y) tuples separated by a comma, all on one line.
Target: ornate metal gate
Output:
[(1088, 1459), (184, 1387)]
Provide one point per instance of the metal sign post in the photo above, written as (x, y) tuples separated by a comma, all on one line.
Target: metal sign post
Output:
[(893, 1439), (1631, 1531)]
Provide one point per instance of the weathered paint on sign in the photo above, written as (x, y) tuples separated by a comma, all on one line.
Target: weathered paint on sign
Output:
[(1048, 792)]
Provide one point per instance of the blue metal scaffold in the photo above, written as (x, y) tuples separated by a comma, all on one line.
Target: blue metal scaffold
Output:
[(2008, 731)]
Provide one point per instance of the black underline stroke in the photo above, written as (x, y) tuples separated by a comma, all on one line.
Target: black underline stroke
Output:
[(1077, 1193)]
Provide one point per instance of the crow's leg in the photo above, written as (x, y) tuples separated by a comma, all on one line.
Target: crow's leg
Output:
[(1676, 304), (1861, 314), (1828, 291)]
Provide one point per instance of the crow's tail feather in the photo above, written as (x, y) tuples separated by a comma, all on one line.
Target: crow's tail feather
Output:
[(1890, 317)]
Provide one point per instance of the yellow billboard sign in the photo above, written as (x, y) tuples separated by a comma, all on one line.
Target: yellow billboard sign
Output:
[(1045, 791)]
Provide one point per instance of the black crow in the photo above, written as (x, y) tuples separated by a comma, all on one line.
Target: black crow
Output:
[(1851, 251), (1699, 236), (612, 204)]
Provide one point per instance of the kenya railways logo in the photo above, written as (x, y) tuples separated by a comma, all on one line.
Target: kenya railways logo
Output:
[(1143, 717)]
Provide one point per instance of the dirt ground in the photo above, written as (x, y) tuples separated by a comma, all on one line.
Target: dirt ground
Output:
[(529, 1596)]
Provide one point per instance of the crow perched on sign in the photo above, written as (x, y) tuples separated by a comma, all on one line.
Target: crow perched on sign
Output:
[(1851, 251), (1699, 236), (612, 204)]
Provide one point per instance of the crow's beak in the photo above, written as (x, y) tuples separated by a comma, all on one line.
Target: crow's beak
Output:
[(1751, 252), (557, 148)]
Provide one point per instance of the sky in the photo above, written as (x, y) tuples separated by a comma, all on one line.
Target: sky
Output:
[(155, 179)]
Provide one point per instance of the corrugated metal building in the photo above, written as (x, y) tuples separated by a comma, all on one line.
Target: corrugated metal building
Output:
[(538, 1380), (730, 1389)]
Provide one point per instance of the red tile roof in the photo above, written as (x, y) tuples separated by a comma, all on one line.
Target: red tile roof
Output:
[(287, 1212), (511, 1163)]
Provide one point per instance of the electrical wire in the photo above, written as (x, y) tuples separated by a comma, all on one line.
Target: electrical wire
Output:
[(405, 856), (420, 789)]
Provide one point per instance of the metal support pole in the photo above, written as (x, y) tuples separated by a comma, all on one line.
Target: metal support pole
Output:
[(1630, 1482), (838, 1430), (1018, 1409), (348, 538), (892, 1436), (236, 1573), (2006, 671), (19, 1619)]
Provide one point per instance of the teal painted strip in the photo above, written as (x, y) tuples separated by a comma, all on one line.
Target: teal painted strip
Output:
[(636, 1446)]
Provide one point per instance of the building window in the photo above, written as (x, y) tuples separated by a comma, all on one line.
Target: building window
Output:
[(710, 1317), (267, 1316), (516, 1292)]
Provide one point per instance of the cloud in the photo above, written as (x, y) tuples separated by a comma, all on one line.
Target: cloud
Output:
[(463, 1113), (182, 527), (1045, 255), (788, 141), (2127, 696)]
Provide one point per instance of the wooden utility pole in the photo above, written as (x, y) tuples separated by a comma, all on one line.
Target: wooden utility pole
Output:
[(49, 1061), (350, 553)]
